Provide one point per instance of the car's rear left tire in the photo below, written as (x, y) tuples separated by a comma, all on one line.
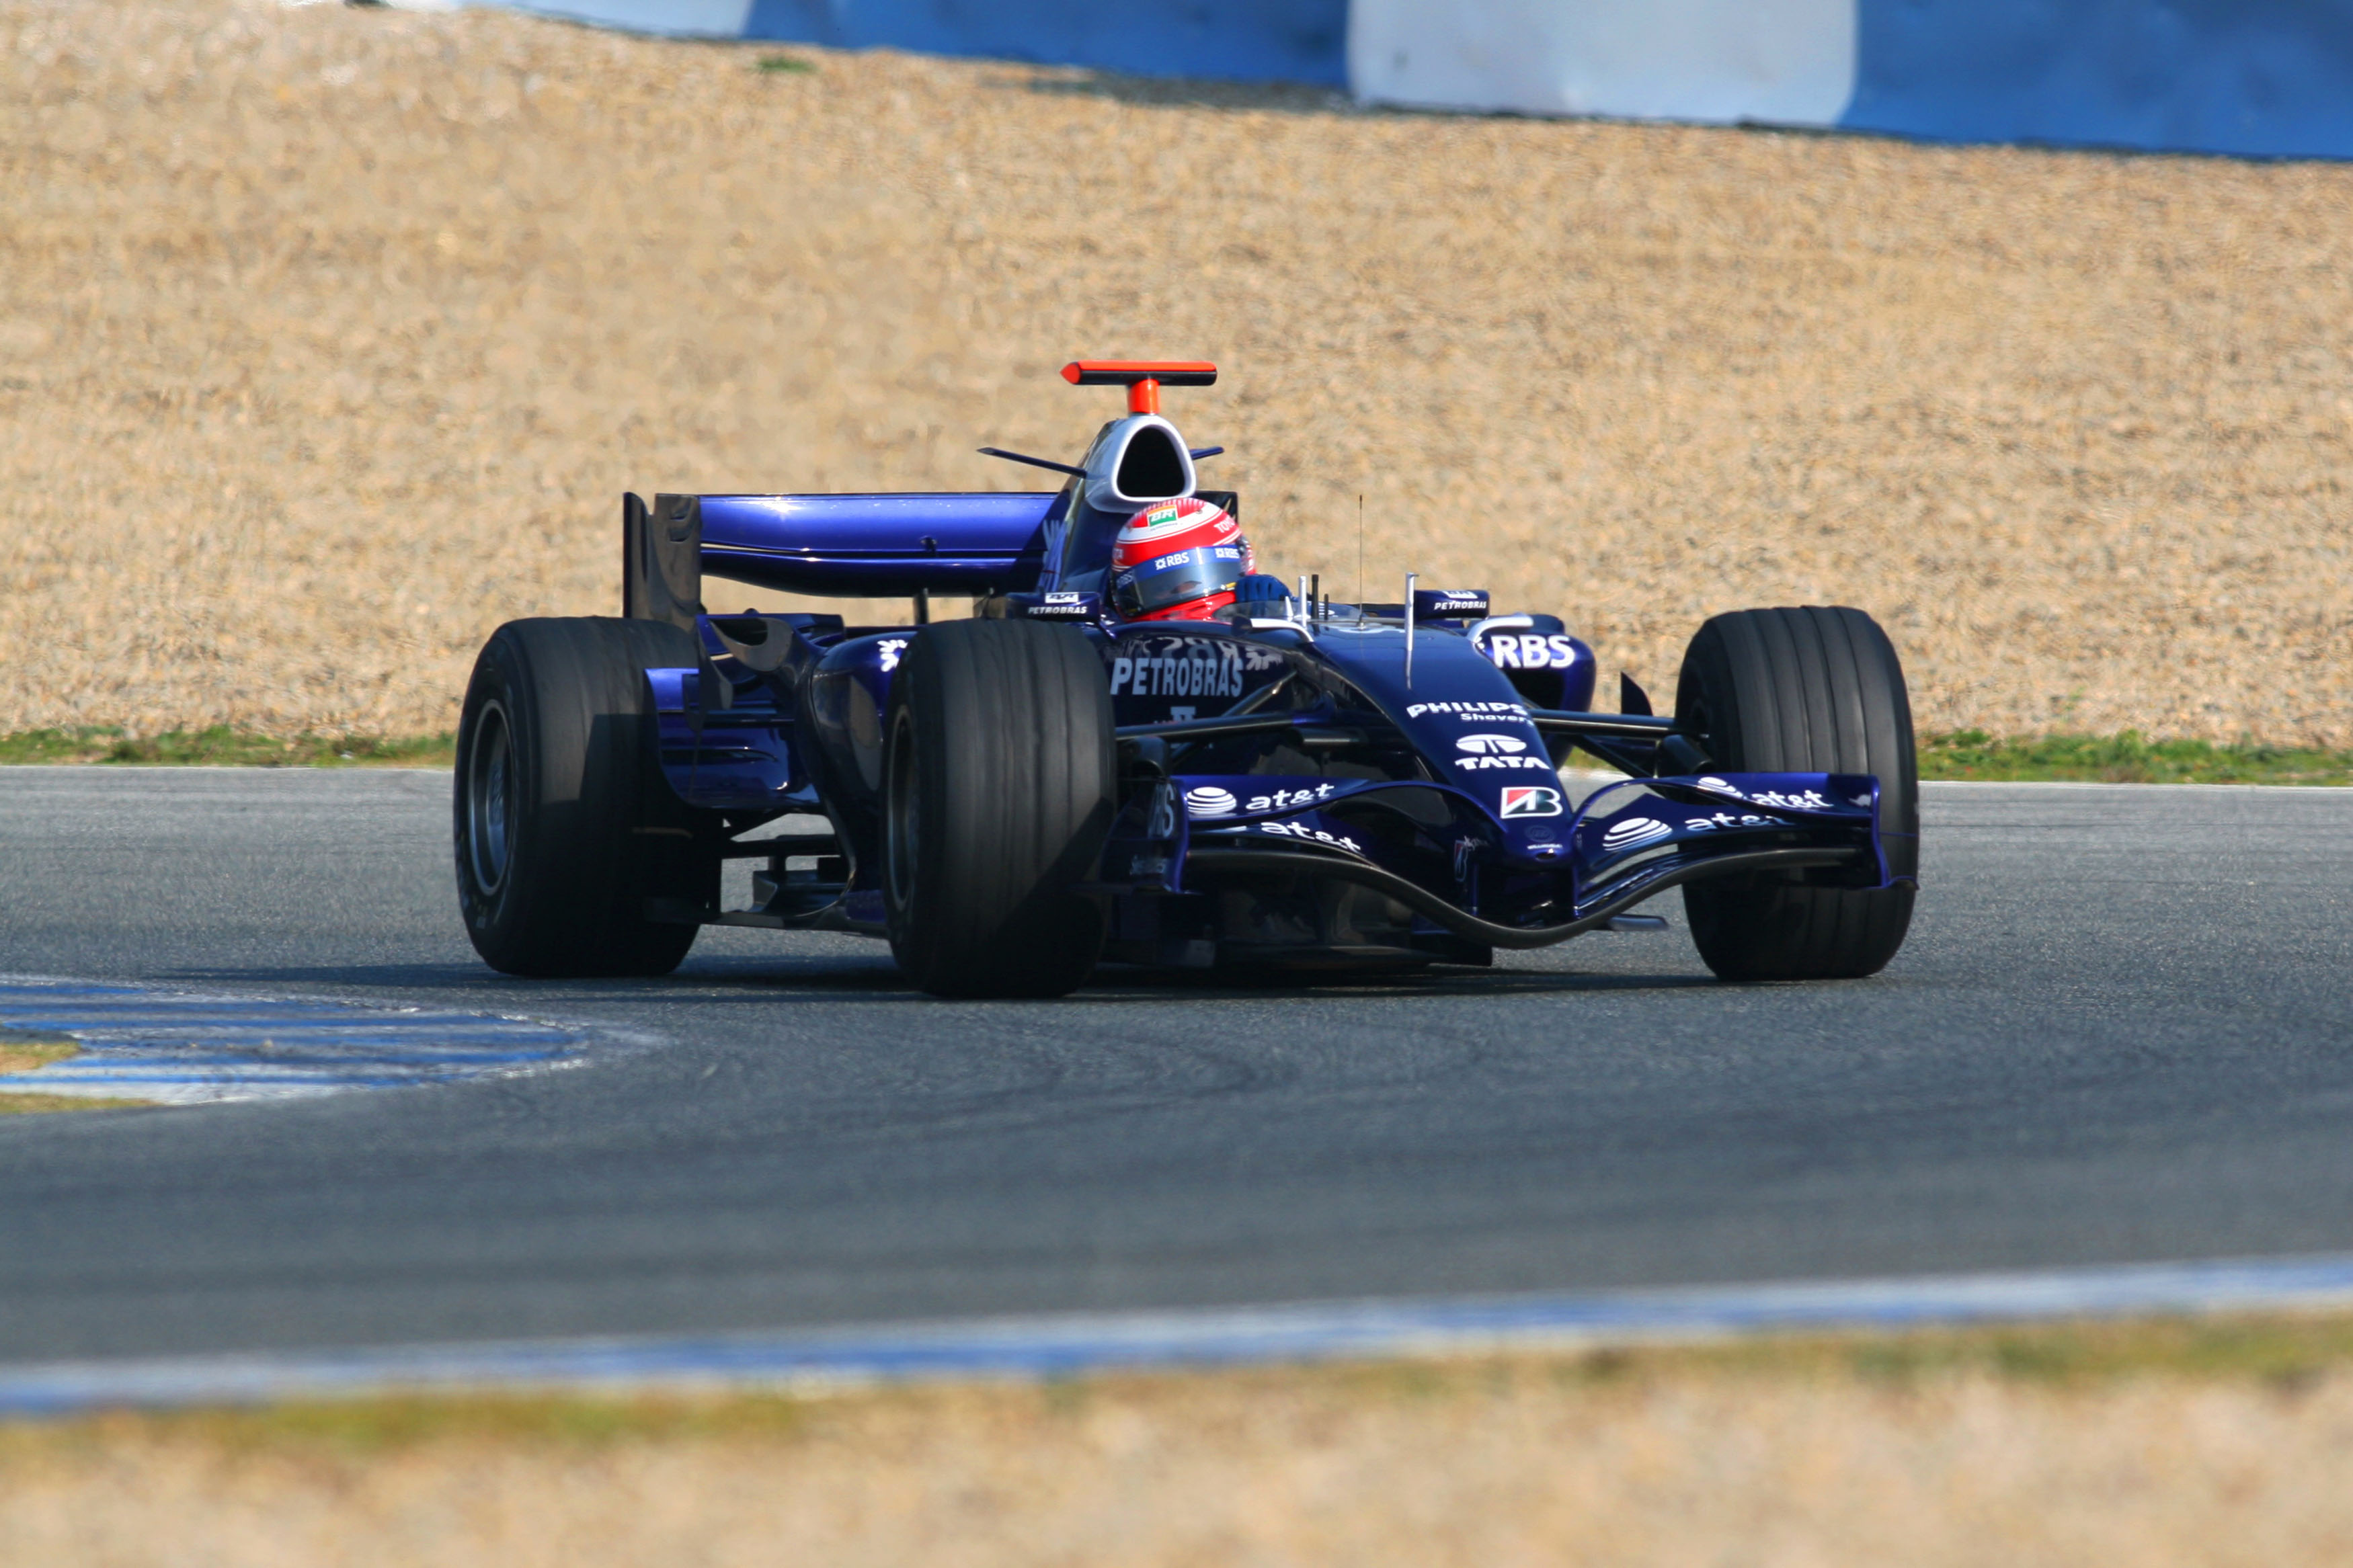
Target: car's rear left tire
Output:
[(565, 829), (1000, 784), (1811, 689)]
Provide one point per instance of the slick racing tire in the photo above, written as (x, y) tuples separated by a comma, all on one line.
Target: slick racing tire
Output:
[(564, 827), (998, 789), (1815, 690)]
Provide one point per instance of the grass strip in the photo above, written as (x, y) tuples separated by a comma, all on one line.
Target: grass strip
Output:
[(28, 1050), (2124, 759), (44, 1104), (2283, 1353), (223, 746)]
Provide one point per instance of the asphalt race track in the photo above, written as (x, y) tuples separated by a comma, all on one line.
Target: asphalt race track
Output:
[(2121, 1032)]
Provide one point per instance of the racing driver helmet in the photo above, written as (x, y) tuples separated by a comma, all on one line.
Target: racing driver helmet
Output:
[(1178, 560)]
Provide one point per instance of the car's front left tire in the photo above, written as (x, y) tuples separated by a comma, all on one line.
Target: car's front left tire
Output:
[(1000, 785), (563, 828), (1815, 688)]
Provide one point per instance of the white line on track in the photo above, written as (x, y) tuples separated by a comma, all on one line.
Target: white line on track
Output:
[(1051, 1346), (183, 1047)]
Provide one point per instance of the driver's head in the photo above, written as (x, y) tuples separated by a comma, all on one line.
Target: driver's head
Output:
[(1178, 560)]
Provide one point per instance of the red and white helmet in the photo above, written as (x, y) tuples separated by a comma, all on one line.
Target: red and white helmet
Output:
[(1179, 561)]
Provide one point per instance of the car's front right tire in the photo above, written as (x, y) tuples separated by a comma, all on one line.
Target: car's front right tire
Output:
[(1000, 784)]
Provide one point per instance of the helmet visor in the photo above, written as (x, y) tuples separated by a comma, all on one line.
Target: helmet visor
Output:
[(1177, 579)]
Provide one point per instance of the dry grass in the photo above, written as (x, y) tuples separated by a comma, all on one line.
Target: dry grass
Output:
[(28, 1050), (328, 338), (2152, 1446)]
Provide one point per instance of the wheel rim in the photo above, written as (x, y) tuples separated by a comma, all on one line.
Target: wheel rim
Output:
[(902, 835), (490, 795)]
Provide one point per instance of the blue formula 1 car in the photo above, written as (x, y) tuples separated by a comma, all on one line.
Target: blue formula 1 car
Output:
[(1013, 799)]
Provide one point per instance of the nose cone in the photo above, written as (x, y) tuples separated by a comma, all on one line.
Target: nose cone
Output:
[(1466, 719)]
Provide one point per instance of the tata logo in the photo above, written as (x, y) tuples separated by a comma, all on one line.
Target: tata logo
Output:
[(1497, 751)]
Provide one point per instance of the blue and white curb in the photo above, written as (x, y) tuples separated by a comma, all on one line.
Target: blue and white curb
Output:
[(189, 1048), (1046, 1347), (2207, 75)]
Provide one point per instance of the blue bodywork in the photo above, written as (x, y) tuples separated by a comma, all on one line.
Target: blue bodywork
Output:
[(1387, 782)]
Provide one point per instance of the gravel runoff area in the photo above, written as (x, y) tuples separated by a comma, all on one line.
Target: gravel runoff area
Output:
[(329, 337), (1646, 1458)]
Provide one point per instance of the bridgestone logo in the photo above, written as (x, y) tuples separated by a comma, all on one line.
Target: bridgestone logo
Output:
[(1529, 800)]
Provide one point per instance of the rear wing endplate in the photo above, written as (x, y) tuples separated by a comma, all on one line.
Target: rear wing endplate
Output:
[(661, 560)]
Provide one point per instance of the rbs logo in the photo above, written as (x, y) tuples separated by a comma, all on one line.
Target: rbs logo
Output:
[(1529, 650)]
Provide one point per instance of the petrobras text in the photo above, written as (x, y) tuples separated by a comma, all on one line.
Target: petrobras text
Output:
[(1204, 667), (1449, 603), (1062, 606)]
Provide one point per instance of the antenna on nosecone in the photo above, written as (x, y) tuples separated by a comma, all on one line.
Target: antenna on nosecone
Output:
[(1411, 579), (1360, 547)]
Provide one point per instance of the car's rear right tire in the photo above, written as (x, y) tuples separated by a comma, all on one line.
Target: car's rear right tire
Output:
[(1811, 689), (565, 829), (1000, 784)]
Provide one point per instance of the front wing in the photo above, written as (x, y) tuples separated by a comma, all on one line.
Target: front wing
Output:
[(1625, 842)]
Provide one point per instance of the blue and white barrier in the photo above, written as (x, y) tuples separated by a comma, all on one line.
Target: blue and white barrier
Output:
[(2267, 78), (2262, 78), (1238, 40), (1788, 62)]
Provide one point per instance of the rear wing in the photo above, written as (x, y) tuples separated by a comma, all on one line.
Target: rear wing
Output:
[(898, 545)]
